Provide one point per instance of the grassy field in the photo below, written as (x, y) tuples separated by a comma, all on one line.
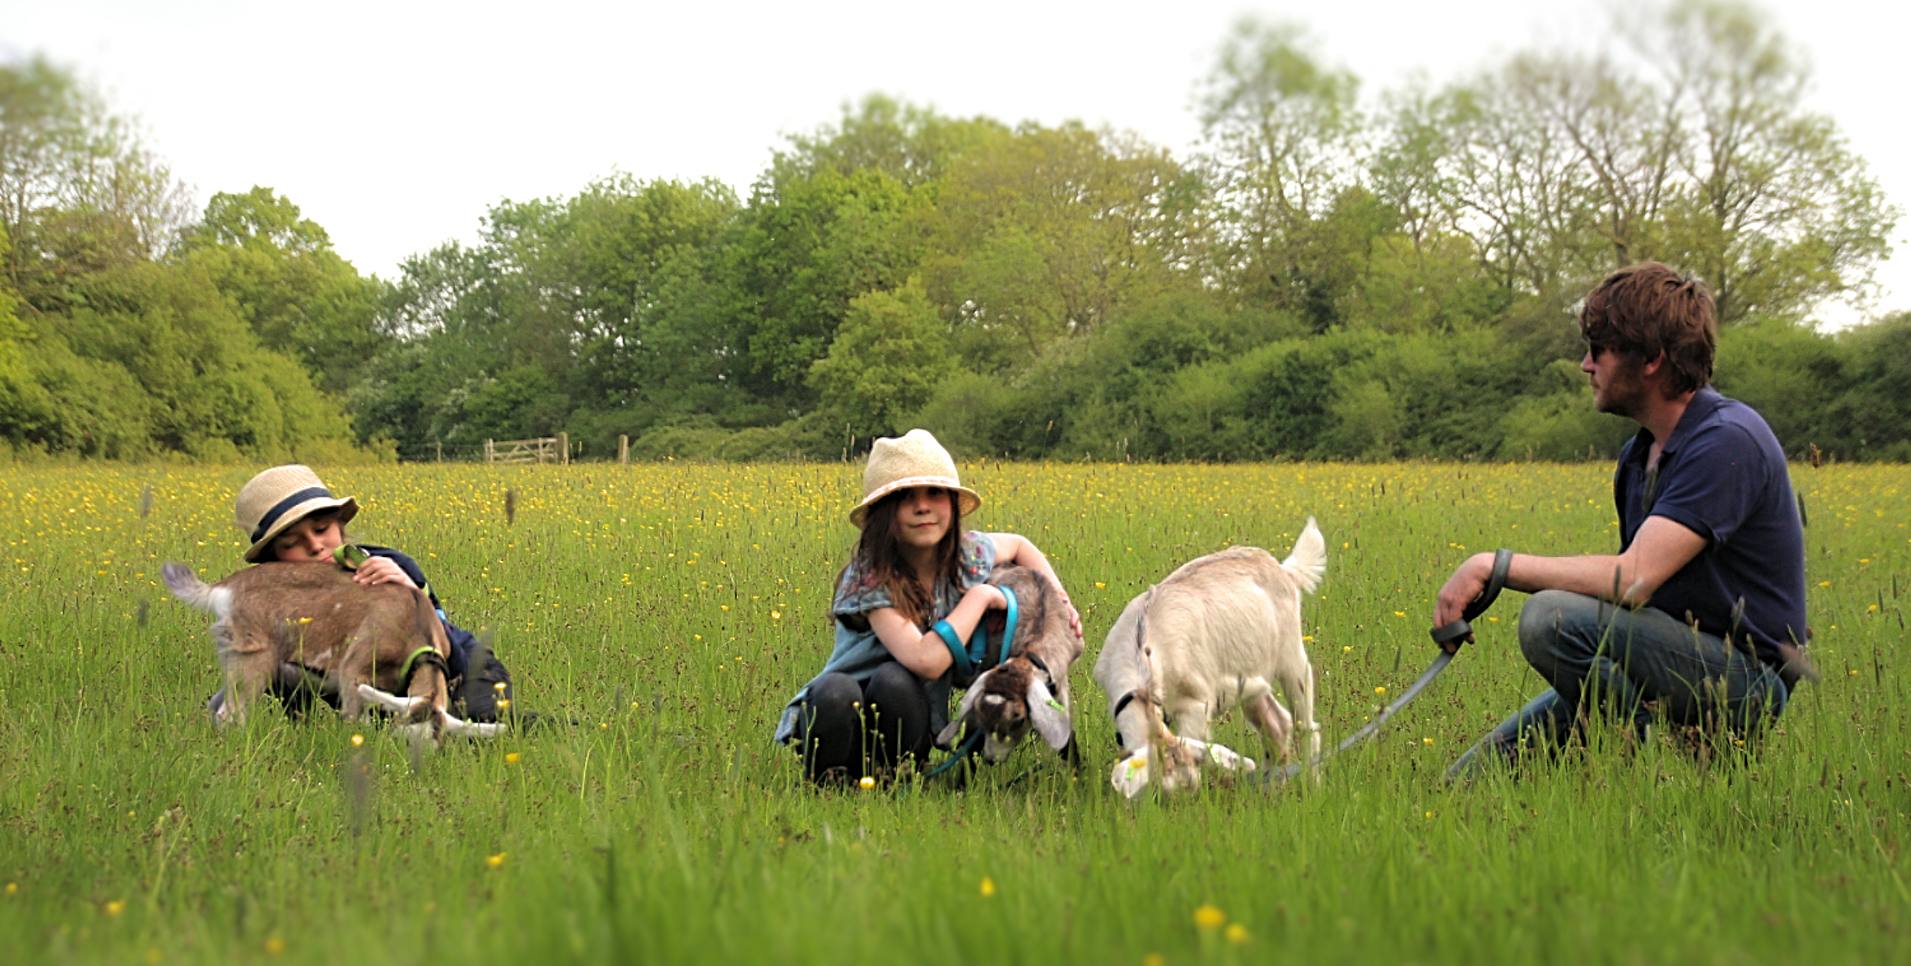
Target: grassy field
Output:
[(667, 612)]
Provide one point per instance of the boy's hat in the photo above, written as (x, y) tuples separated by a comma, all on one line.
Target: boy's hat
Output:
[(280, 497), (914, 459)]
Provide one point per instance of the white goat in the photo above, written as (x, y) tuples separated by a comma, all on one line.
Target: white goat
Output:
[(1214, 634)]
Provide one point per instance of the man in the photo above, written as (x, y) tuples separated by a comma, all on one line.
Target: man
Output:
[(1709, 581)]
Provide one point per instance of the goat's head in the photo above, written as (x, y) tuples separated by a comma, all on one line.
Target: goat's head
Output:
[(1149, 749), (417, 717), (1004, 703)]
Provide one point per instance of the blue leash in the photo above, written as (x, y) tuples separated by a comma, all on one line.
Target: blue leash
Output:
[(967, 658)]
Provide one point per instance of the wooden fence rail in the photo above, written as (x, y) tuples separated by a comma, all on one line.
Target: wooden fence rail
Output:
[(542, 449)]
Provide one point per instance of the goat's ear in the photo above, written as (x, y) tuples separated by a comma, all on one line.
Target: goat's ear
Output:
[(1048, 715), (969, 697)]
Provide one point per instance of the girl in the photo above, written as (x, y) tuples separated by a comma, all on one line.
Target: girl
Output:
[(289, 515), (885, 690)]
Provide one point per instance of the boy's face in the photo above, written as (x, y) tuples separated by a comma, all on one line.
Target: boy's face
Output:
[(313, 538)]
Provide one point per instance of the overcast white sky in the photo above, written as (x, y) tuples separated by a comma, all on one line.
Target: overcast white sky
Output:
[(395, 123)]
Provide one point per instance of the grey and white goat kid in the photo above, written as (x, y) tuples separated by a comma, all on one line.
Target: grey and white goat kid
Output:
[(1218, 632), (1029, 688), (369, 641)]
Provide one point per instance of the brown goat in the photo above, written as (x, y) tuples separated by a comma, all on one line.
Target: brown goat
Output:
[(370, 641), (1030, 687)]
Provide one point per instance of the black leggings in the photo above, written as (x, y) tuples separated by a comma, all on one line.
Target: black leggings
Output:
[(850, 730)]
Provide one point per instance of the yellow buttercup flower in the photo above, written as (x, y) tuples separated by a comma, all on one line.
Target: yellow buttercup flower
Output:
[(1238, 934), (988, 888), (495, 861), (1208, 917)]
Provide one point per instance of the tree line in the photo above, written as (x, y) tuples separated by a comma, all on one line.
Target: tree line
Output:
[(1324, 277)]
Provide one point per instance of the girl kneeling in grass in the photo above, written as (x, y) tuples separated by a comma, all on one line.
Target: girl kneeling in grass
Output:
[(885, 690)]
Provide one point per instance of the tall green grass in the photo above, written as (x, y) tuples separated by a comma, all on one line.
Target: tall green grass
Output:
[(659, 616)]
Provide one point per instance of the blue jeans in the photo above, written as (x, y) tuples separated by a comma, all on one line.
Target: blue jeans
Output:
[(1634, 664)]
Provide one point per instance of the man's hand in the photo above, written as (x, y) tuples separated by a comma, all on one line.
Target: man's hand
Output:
[(381, 570), (1467, 582)]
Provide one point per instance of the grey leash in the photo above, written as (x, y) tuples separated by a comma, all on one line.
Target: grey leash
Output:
[(1448, 636)]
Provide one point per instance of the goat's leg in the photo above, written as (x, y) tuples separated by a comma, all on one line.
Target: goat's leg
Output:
[(1275, 725), (1298, 685), (250, 665), (355, 669), (1181, 754)]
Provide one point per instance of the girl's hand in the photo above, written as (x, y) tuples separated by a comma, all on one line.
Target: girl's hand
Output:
[(1074, 618), (379, 570), (992, 596)]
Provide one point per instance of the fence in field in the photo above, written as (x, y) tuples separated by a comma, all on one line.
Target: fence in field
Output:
[(542, 449)]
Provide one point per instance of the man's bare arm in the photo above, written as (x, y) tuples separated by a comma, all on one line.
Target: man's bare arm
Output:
[(1657, 552)]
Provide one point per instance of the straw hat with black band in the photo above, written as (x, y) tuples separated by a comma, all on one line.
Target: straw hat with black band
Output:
[(912, 459), (277, 498)]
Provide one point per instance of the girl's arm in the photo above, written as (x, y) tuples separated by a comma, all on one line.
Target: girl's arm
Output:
[(1017, 549), (924, 652)]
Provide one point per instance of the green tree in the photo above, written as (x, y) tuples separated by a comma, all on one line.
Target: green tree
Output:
[(285, 280), (887, 357), (1695, 150), (1775, 211), (78, 189), (802, 252), (1280, 148), (24, 406), (152, 359), (911, 144), (1051, 233)]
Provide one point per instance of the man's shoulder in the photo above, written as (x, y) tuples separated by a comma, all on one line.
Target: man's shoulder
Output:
[(1729, 424)]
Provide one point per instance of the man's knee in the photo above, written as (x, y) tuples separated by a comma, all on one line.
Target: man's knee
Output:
[(1548, 618)]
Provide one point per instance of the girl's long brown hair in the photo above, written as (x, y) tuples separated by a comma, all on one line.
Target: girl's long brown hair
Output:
[(877, 548)]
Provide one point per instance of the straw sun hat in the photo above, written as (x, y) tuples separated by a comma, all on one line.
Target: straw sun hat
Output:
[(914, 459), (280, 497)]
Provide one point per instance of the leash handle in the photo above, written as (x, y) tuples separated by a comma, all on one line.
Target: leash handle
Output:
[(1449, 636), (967, 659), (958, 654)]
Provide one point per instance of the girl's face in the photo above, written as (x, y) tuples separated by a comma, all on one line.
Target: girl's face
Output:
[(922, 517), (313, 538)]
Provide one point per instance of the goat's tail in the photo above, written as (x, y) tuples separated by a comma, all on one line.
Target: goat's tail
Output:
[(187, 586), (1308, 562)]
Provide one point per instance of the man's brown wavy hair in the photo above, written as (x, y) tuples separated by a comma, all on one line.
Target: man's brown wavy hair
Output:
[(1650, 308)]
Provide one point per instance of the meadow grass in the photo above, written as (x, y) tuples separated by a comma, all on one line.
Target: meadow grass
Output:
[(660, 615)]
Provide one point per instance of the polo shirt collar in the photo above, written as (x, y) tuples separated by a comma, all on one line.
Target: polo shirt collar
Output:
[(1704, 403)]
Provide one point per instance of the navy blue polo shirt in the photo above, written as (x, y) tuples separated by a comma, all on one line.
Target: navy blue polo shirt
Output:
[(1723, 476), (461, 639)]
